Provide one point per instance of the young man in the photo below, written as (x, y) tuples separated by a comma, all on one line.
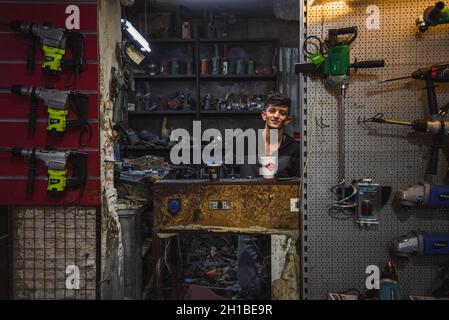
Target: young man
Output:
[(276, 115)]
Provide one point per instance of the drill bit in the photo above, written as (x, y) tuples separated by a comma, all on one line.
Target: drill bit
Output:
[(401, 123), (375, 82)]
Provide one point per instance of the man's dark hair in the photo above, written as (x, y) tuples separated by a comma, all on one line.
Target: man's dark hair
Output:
[(278, 99)]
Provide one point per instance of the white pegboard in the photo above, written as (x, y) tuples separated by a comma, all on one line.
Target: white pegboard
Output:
[(338, 251)]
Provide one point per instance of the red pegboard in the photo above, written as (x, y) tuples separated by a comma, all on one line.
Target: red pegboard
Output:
[(40, 138), (17, 73), (14, 109)]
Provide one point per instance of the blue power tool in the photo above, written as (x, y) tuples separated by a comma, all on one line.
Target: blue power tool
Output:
[(421, 243), (424, 194)]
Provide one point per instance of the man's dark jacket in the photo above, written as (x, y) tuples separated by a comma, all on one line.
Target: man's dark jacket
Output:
[(288, 161)]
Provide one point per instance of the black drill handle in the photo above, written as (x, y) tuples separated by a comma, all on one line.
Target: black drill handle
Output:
[(435, 12), (31, 52), (80, 103), (32, 115), (431, 96), (16, 26), (75, 42), (78, 163), (334, 33), (368, 64), (341, 31), (31, 172), (432, 169), (16, 89)]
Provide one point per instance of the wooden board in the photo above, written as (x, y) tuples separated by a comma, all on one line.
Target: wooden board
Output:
[(256, 206)]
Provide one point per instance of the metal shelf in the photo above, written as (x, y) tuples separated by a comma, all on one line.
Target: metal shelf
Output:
[(172, 40), (166, 112), (230, 112), (143, 76), (219, 77), (255, 40), (143, 148)]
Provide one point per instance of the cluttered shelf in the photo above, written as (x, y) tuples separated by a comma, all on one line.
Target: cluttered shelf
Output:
[(269, 77), (243, 40), (215, 40), (163, 112), (143, 76), (146, 148), (172, 40), (230, 112), (205, 112)]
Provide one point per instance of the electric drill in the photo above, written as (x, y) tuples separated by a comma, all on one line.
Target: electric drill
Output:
[(57, 163), (421, 243), (58, 103), (332, 58), (433, 16), (55, 41), (437, 128), (437, 73)]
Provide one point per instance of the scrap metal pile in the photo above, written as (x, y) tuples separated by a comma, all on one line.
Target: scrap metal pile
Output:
[(133, 177), (211, 262)]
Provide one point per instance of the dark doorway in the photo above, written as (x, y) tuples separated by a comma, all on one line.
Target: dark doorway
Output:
[(5, 238)]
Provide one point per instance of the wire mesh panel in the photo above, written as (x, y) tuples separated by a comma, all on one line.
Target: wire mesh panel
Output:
[(338, 250), (55, 253)]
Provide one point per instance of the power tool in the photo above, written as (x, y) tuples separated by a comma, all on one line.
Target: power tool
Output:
[(57, 162), (331, 59), (437, 73), (431, 126), (433, 16), (436, 127), (58, 103), (421, 243), (55, 42), (389, 283), (424, 194)]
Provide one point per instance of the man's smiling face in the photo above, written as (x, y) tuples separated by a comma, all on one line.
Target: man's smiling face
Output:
[(276, 116)]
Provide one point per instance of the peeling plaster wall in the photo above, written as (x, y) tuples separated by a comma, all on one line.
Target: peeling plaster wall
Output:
[(109, 33)]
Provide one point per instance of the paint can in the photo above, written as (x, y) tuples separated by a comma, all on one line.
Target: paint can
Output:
[(240, 67), (174, 66), (204, 66), (225, 68), (251, 68)]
